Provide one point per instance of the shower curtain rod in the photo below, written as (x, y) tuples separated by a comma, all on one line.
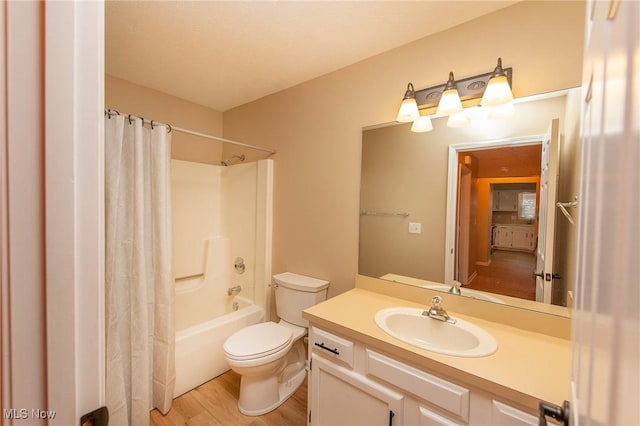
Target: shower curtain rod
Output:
[(152, 123)]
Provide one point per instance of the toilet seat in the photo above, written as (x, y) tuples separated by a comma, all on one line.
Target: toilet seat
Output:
[(257, 341)]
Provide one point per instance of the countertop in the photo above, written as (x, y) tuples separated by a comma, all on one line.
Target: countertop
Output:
[(527, 366)]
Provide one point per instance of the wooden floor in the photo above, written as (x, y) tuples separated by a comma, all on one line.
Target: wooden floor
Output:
[(216, 403), (510, 273)]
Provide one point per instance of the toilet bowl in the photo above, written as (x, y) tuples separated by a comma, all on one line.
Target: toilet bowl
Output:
[(270, 357)]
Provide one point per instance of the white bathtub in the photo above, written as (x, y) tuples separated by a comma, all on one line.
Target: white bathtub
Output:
[(199, 354)]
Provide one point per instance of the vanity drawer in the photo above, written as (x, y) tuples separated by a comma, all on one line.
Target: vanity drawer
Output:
[(332, 346), (503, 414), (446, 395)]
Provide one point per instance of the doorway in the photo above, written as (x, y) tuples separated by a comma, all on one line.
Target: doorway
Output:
[(497, 193)]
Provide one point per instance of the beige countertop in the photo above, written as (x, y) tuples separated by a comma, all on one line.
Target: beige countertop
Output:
[(527, 366)]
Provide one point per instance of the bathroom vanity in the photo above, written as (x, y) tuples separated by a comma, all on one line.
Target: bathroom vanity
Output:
[(361, 375)]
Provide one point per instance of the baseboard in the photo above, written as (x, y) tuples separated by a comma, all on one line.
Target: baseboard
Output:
[(484, 263)]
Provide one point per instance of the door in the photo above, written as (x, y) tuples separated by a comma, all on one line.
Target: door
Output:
[(464, 225), (606, 325), (546, 213), (342, 397)]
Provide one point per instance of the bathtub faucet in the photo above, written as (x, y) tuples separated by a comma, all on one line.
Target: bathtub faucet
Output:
[(233, 290)]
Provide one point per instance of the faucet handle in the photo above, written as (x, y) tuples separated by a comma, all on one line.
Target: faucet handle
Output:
[(436, 302), (455, 287)]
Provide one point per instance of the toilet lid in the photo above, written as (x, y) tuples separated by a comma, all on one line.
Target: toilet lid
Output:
[(257, 341)]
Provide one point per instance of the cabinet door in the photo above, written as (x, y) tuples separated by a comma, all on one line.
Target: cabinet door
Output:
[(339, 396), (430, 418), (504, 236), (496, 200), (505, 200), (509, 201), (522, 239)]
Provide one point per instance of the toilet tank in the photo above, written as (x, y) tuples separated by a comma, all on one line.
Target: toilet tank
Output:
[(295, 293)]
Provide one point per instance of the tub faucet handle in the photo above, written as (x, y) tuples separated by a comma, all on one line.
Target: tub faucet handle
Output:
[(233, 290), (239, 266)]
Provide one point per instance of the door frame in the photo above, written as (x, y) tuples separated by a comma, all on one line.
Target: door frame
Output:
[(462, 226), (452, 189), (52, 234), (74, 207)]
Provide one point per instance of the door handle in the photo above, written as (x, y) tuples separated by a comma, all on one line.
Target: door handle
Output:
[(561, 414), (539, 274)]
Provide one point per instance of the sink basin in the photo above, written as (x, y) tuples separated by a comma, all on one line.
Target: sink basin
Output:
[(460, 339)]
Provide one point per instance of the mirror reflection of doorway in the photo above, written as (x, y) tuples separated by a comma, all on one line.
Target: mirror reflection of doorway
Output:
[(498, 195)]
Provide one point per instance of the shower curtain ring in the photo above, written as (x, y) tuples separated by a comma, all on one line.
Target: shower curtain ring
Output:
[(169, 126), (129, 117), (151, 124)]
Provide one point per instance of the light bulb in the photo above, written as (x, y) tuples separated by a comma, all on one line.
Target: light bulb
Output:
[(422, 124)]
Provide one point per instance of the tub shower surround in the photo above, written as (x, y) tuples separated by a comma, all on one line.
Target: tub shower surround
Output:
[(220, 213)]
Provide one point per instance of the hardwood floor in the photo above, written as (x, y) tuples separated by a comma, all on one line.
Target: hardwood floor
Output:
[(510, 273), (215, 403)]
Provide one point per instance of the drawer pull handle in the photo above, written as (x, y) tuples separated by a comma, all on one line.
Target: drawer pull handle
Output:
[(333, 351)]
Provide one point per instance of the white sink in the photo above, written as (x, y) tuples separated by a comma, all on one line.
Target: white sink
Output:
[(460, 339)]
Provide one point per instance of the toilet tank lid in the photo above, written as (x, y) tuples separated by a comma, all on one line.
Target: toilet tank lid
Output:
[(300, 282)]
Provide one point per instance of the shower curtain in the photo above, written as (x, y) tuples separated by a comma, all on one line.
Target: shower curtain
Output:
[(139, 281)]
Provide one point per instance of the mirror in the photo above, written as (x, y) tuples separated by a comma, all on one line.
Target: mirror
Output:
[(410, 218)]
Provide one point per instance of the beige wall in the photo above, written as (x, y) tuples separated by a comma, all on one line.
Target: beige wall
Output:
[(316, 126), (130, 98)]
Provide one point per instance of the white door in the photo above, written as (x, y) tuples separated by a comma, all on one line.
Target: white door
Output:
[(342, 397), (606, 326), (546, 213)]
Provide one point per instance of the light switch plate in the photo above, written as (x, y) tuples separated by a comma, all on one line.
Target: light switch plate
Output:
[(415, 228)]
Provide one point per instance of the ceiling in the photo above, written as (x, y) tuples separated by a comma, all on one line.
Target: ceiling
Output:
[(518, 161), (222, 54)]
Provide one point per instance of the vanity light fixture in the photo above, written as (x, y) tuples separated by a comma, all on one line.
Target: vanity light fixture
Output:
[(492, 90), (422, 125), (450, 102), (409, 108), (498, 91)]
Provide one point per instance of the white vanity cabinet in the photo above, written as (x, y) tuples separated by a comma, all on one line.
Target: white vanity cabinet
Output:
[(351, 383), (340, 396)]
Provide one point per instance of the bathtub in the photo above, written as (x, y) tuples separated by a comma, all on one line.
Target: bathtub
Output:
[(199, 354)]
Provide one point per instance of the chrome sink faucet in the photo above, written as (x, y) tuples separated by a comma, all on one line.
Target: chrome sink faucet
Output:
[(455, 288), (437, 311)]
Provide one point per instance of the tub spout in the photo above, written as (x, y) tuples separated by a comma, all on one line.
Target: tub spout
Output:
[(234, 290)]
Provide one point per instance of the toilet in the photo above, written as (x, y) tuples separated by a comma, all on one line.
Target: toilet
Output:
[(271, 357)]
